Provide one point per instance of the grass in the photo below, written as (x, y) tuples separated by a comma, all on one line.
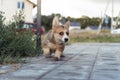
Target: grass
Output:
[(7, 59), (91, 36)]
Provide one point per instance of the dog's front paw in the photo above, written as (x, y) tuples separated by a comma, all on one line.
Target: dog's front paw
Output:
[(62, 56), (48, 56), (56, 58)]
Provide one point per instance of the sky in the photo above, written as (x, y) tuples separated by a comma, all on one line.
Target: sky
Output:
[(78, 8)]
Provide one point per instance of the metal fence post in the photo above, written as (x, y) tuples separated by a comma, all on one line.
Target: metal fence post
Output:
[(38, 42)]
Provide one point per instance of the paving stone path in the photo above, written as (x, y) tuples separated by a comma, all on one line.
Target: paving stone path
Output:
[(83, 61)]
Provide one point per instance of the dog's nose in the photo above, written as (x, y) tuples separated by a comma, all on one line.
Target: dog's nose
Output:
[(66, 39)]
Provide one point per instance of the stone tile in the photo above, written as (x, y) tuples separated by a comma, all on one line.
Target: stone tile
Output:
[(27, 73), (76, 68), (67, 75), (60, 79), (32, 70), (9, 68), (105, 76), (17, 78), (80, 63), (37, 66)]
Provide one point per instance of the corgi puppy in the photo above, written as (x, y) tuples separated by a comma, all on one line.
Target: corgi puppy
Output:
[(55, 39)]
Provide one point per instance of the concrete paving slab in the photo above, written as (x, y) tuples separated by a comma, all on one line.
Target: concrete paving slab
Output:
[(83, 61)]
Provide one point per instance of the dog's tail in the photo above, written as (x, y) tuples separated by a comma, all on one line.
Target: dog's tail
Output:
[(55, 21)]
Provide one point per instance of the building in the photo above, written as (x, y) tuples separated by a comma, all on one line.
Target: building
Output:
[(12, 7), (74, 25)]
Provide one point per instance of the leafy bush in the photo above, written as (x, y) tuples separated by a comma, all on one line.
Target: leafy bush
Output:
[(14, 44)]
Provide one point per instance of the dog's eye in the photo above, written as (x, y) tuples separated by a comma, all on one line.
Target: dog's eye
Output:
[(67, 33), (61, 33)]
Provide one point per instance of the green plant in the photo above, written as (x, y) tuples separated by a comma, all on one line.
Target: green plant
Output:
[(14, 45)]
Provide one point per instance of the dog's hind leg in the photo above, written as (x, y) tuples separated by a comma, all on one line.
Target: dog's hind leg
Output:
[(46, 52)]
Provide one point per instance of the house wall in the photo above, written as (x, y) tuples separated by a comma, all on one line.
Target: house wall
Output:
[(1, 3), (74, 27), (10, 9), (28, 12)]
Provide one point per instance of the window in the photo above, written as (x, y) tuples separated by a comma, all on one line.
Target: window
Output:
[(20, 5)]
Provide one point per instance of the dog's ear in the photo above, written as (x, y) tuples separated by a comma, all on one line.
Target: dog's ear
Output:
[(67, 25), (55, 22)]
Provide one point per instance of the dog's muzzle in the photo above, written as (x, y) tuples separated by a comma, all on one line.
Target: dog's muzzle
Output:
[(66, 39)]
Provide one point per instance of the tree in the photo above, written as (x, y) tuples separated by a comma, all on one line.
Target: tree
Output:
[(84, 21)]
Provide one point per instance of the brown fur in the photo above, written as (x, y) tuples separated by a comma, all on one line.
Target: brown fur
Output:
[(53, 40)]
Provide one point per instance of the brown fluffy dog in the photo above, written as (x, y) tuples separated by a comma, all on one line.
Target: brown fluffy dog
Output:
[(55, 39)]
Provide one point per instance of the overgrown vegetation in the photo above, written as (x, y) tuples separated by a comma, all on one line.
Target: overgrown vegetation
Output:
[(14, 45), (91, 36)]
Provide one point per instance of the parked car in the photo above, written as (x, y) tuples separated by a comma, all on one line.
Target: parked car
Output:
[(31, 26)]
